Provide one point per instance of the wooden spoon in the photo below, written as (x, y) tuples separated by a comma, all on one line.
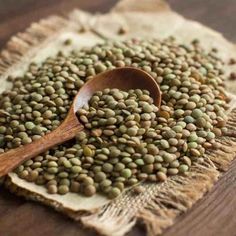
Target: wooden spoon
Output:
[(122, 78)]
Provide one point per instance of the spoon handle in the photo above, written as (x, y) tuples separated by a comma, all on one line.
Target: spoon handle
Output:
[(11, 159)]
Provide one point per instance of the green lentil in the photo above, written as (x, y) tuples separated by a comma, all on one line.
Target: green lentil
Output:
[(164, 143), (89, 190), (52, 189), (87, 151), (107, 167), (49, 90), (161, 176), (183, 168), (76, 169), (100, 176), (126, 173), (189, 119), (149, 159), (197, 113), (63, 189)]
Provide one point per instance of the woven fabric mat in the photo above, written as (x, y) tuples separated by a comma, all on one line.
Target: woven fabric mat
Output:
[(161, 203)]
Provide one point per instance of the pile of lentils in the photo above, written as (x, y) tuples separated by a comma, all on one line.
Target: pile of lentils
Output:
[(127, 139)]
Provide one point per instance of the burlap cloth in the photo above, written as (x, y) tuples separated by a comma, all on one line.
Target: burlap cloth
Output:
[(161, 203)]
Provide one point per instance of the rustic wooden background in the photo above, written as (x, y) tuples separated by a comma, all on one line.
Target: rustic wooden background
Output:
[(214, 215)]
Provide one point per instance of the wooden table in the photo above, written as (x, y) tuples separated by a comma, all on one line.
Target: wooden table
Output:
[(214, 215)]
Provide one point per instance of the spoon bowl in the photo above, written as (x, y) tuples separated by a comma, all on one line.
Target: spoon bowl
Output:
[(125, 78)]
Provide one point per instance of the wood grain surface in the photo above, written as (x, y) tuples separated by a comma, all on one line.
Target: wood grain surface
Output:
[(214, 215)]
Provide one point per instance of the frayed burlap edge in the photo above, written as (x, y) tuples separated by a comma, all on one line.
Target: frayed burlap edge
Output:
[(19, 45), (161, 203)]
